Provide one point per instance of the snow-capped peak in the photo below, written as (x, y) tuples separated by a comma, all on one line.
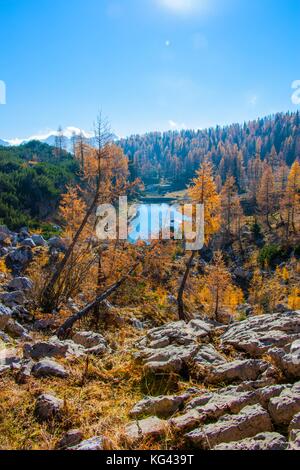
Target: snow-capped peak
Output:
[(68, 132)]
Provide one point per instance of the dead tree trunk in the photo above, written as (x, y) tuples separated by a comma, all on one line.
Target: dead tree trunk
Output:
[(65, 330), (181, 311)]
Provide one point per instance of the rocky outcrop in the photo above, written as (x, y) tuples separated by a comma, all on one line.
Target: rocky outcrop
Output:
[(248, 423), (257, 358), (242, 371), (171, 347), (261, 442), (294, 433), (257, 335), (288, 359), (283, 408)]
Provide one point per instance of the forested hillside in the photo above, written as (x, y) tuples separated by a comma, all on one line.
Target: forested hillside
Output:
[(236, 150), (32, 180)]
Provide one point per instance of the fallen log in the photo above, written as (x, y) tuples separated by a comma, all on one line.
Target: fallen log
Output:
[(65, 329)]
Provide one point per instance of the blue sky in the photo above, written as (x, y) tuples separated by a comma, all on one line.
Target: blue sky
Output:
[(149, 64)]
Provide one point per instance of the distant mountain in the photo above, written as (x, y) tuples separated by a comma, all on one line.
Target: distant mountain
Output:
[(49, 138)]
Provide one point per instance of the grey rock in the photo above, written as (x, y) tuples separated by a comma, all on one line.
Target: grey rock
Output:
[(20, 284), (39, 240), (13, 299), (258, 334), (96, 443), (57, 243), (240, 370), (169, 359), (294, 433), (70, 439), (265, 394), (200, 328), (261, 442), (25, 372), (199, 400), (48, 407), (9, 356), (283, 408), (48, 368), (28, 242), (207, 355), (90, 340), (52, 348), (19, 259), (4, 338), (149, 427), (186, 421), (5, 316), (44, 325), (251, 421), (289, 363), (219, 405), (16, 330), (163, 406)]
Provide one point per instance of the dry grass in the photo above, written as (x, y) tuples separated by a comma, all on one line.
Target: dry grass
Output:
[(97, 395)]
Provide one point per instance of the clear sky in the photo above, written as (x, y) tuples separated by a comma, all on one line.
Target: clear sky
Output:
[(149, 64)]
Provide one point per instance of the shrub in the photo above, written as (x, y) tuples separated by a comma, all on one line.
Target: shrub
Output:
[(271, 255)]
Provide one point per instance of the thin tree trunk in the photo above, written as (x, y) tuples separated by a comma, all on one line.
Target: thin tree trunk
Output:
[(217, 306), (48, 301), (181, 312)]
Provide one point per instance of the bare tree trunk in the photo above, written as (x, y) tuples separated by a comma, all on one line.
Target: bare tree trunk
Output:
[(65, 330), (48, 301), (217, 306), (181, 312), (100, 282)]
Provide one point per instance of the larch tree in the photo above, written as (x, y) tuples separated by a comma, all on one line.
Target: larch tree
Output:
[(230, 205), (281, 178), (103, 137), (255, 169), (219, 283), (202, 191), (291, 202), (266, 194)]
